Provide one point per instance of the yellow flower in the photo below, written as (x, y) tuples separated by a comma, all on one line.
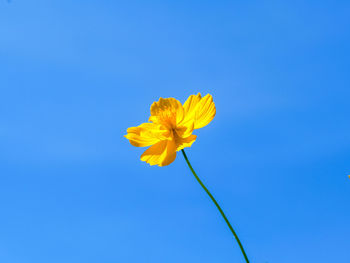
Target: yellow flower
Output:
[(170, 127)]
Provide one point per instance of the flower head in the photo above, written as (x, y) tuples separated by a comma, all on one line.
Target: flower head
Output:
[(170, 127)]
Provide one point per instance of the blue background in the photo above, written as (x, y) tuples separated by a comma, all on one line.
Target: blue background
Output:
[(76, 74)]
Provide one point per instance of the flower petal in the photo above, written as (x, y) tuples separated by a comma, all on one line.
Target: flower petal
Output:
[(168, 112), (190, 109), (199, 110), (191, 103), (184, 131), (205, 112), (162, 153), (146, 134), (185, 142)]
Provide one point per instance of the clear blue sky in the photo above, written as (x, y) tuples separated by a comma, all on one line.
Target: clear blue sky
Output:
[(76, 74)]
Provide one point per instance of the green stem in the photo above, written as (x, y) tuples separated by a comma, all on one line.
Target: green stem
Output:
[(217, 205)]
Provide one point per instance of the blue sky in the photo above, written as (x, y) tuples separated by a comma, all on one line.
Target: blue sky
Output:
[(76, 74)]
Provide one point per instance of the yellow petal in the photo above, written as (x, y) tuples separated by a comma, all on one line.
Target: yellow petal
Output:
[(191, 103), (146, 134), (190, 109), (185, 129), (184, 142), (205, 112), (198, 110), (168, 112), (162, 153)]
